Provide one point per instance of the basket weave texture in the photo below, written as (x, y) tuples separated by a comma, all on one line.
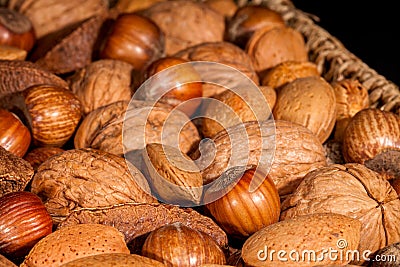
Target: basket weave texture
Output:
[(334, 61)]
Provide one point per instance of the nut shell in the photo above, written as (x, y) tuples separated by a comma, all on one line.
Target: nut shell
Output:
[(288, 71), (12, 53), (173, 176), (74, 242), (352, 190), (178, 245), (224, 53), (186, 23), (114, 259), (308, 101), (15, 172), (14, 135), (51, 16), (314, 232), (138, 219), (39, 155), (101, 83), (88, 178), (24, 220), (269, 47), (4, 262), (53, 114), (369, 133), (243, 211)]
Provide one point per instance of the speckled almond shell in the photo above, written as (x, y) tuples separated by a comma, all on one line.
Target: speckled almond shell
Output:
[(75, 242), (311, 232), (309, 101)]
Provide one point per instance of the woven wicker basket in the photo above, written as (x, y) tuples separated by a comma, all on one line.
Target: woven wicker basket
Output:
[(334, 61)]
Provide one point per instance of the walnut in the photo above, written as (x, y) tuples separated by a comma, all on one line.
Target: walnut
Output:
[(355, 191), (101, 83), (186, 23), (103, 128), (87, 178), (15, 172)]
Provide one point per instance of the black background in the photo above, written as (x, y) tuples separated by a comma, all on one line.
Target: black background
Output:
[(370, 30)]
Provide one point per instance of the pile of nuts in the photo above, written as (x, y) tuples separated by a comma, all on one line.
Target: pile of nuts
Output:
[(115, 150)]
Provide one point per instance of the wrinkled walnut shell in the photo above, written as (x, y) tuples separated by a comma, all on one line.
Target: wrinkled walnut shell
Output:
[(88, 178), (101, 83), (15, 173), (355, 191)]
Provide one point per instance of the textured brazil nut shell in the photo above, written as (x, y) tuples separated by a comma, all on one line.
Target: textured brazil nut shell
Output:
[(296, 152), (17, 75), (309, 101), (355, 191), (101, 83), (369, 133), (137, 219), (186, 23), (15, 172), (269, 47), (74, 242), (88, 178), (315, 232)]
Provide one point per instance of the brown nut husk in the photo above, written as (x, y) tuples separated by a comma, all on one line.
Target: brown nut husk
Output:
[(388, 256), (178, 245), (17, 75), (224, 53), (87, 178), (297, 151), (315, 232), (355, 191), (74, 242), (309, 101), (186, 23), (114, 259), (138, 219), (103, 128), (102, 82), (51, 16), (227, 8), (15, 172), (269, 47), (69, 49), (288, 71), (351, 97), (370, 132), (172, 176)]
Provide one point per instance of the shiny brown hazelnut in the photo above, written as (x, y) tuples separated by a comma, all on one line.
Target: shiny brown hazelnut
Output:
[(16, 30), (134, 39), (178, 245), (245, 209), (247, 19), (183, 91), (53, 114), (24, 220), (14, 135)]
